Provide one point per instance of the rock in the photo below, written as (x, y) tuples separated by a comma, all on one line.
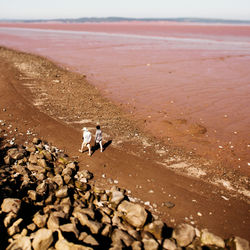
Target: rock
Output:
[(67, 171), (41, 189), (237, 243), (70, 227), (116, 197), (90, 240), (155, 228), (134, 214), (53, 222), (40, 220), (150, 244), (42, 163), (184, 234), (119, 235), (20, 243), (47, 155), (107, 230), (36, 141), (32, 227), (94, 226), (15, 227), (15, 154), (168, 204), (32, 194), (36, 168), (169, 245), (209, 239), (84, 174), (136, 245), (42, 239), (62, 192), (33, 159), (9, 218), (65, 245), (11, 205)]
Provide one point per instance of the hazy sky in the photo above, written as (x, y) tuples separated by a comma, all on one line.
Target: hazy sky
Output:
[(32, 9)]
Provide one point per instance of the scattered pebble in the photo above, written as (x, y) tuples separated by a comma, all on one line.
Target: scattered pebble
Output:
[(103, 176), (199, 214), (151, 191), (220, 147), (225, 198), (116, 181)]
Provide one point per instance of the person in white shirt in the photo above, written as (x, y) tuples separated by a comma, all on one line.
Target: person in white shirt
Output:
[(86, 140), (98, 137)]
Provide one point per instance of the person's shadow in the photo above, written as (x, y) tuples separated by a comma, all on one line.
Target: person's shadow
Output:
[(97, 146)]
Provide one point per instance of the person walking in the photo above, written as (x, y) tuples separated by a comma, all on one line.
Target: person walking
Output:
[(86, 140), (98, 137)]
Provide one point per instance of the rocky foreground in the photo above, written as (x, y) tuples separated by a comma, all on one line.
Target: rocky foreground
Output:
[(48, 203)]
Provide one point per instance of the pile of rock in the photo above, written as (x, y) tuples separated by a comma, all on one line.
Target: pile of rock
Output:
[(47, 203)]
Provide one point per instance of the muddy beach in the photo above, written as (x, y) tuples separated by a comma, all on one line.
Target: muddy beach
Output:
[(41, 99)]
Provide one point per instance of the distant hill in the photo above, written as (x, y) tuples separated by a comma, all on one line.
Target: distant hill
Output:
[(120, 19)]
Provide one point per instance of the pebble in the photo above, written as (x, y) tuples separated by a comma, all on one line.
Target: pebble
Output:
[(225, 198), (116, 181), (199, 214)]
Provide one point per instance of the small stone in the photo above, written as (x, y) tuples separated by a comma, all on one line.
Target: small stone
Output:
[(40, 220), (22, 242), (168, 204)]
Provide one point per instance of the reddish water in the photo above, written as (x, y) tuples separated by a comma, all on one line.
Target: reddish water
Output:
[(179, 78)]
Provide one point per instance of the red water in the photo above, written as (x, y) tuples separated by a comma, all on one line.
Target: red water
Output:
[(172, 76)]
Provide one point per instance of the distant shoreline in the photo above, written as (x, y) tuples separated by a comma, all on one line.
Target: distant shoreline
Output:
[(124, 19)]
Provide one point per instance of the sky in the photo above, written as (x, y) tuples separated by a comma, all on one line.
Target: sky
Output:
[(49, 9)]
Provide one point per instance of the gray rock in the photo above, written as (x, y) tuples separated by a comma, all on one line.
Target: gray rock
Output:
[(11, 205), (184, 234), (42, 239), (20, 243), (209, 239), (168, 204), (134, 214)]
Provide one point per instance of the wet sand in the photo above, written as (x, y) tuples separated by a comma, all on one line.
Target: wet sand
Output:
[(187, 84)]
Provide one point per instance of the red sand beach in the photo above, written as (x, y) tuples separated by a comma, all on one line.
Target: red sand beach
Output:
[(188, 83)]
